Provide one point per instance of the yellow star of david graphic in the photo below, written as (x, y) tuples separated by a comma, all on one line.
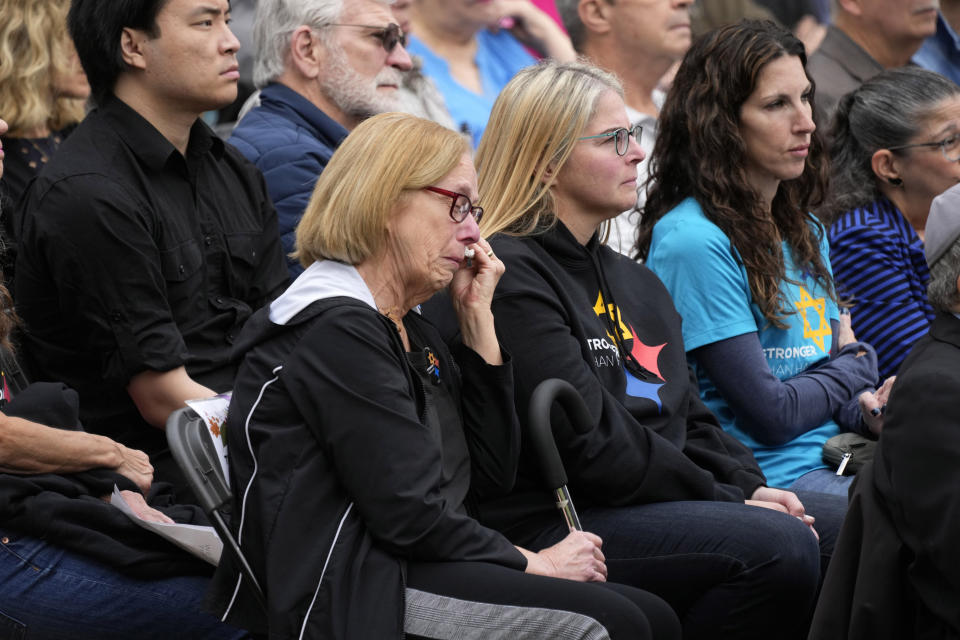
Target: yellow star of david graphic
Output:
[(614, 313), (820, 306)]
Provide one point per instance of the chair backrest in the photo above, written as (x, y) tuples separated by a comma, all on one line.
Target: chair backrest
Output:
[(195, 453), (193, 450)]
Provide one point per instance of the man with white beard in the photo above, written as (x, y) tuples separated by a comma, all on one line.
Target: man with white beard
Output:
[(324, 66)]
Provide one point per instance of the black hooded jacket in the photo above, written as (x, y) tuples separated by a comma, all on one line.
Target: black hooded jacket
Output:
[(607, 325), (68, 510), (345, 463)]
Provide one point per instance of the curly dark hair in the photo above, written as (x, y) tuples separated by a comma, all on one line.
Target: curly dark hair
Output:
[(699, 153), (8, 317)]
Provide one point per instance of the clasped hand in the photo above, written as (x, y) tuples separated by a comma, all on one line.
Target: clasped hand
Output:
[(576, 557)]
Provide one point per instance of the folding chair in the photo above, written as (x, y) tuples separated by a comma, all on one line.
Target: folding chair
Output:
[(547, 393), (194, 452)]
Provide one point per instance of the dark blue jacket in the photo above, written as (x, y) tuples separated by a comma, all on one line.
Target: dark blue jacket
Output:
[(290, 140)]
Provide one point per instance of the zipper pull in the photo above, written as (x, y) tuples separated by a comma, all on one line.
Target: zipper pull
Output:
[(843, 463)]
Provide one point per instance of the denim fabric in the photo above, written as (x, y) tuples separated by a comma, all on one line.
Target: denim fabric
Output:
[(729, 570), (50, 593), (823, 481)]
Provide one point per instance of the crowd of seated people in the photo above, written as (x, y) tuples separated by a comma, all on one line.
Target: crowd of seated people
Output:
[(656, 477), (367, 528), (71, 564), (382, 311)]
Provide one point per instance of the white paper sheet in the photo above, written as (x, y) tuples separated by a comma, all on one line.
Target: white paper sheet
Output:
[(214, 413), (201, 541)]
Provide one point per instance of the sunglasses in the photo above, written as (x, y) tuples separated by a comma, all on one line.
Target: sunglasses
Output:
[(389, 36)]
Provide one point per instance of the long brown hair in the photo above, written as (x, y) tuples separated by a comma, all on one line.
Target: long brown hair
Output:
[(699, 153)]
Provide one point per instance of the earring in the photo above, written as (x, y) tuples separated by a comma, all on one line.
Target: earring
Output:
[(896, 182)]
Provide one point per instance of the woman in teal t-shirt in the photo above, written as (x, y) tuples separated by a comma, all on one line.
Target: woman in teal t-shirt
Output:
[(736, 168)]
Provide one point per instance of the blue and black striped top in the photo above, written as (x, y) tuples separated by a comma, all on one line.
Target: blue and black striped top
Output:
[(878, 261)]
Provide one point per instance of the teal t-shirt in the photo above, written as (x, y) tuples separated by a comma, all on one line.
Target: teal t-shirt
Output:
[(709, 285)]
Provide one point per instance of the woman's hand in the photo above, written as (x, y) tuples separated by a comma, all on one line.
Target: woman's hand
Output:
[(144, 511), (471, 292), (576, 557), (784, 501), (873, 404), (534, 27), (135, 465), (845, 335), (472, 286)]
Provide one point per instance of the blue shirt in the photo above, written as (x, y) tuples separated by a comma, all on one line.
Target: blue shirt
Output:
[(941, 52), (878, 262), (290, 141), (710, 287), (499, 57)]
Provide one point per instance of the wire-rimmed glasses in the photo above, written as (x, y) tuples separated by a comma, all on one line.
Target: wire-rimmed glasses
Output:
[(621, 137), (949, 147)]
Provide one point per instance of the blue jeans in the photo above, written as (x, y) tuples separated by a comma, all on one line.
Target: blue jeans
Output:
[(50, 593), (823, 481), (728, 569)]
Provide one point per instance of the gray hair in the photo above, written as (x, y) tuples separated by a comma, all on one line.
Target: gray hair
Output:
[(942, 289), (275, 22), (886, 111), (569, 14)]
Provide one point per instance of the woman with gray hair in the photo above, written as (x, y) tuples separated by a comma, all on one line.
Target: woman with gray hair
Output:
[(896, 143)]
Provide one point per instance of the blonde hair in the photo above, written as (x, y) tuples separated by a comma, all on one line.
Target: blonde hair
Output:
[(532, 129), (35, 50), (367, 179)]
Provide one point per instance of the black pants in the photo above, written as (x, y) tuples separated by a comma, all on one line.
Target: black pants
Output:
[(475, 600)]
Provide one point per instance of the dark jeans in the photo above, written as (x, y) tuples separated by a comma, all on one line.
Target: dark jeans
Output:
[(728, 569), (50, 593)]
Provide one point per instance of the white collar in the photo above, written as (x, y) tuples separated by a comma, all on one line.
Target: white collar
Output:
[(322, 279)]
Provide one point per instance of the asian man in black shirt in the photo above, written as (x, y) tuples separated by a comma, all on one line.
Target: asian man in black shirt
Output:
[(146, 242)]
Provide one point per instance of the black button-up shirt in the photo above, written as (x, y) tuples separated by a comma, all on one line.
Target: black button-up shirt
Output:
[(134, 258)]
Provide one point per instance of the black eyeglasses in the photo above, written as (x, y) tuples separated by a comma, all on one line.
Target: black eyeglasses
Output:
[(389, 36), (621, 137), (461, 206), (949, 147)]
